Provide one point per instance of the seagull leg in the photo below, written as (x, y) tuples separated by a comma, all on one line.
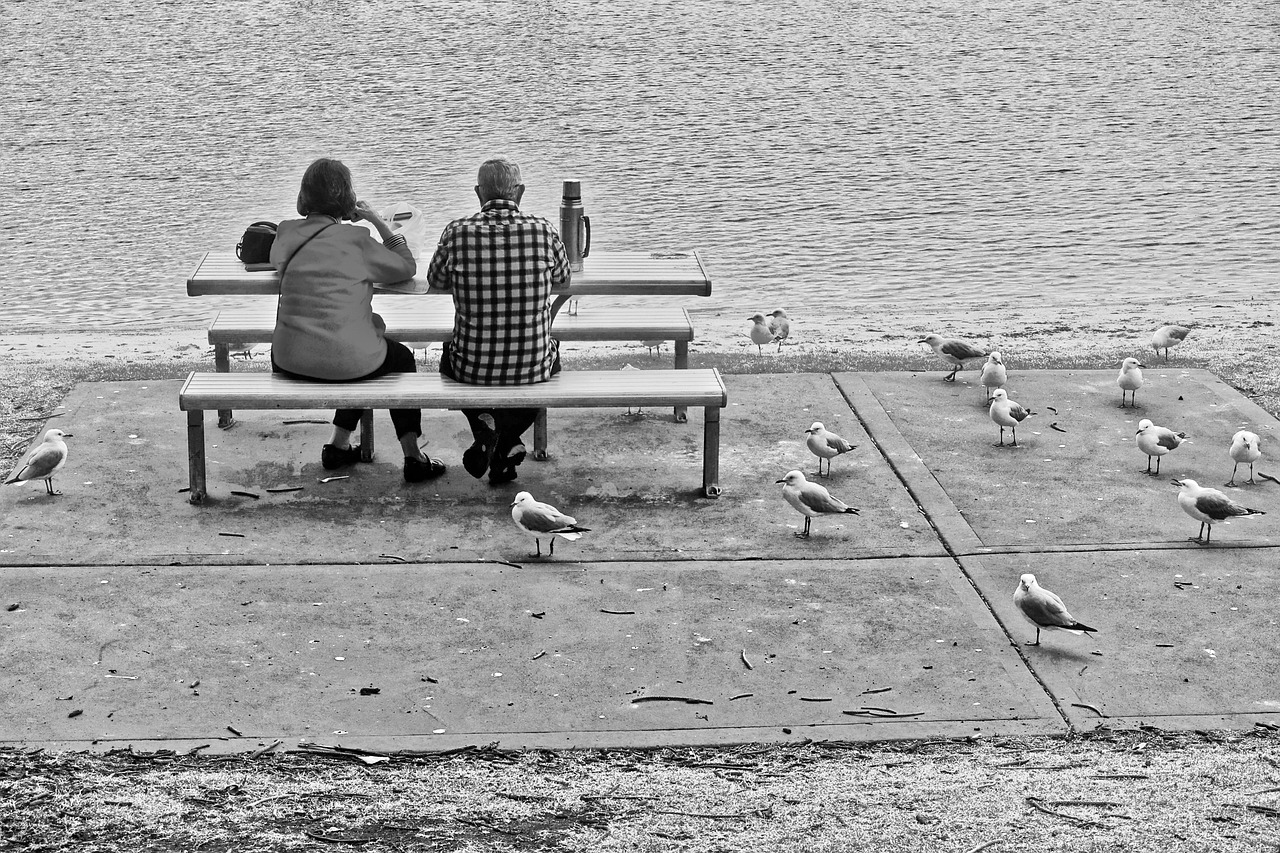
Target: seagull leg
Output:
[(1037, 642), (951, 377), (805, 534), (1001, 444), (1148, 472), (551, 549), (1199, 537), (1250, 481), (1157, 465), (538, 542), (1013, 430), (48, 485), (1232, 481)]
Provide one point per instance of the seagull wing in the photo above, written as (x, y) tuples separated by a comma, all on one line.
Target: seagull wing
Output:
[(538, 517), (1017, 412), (1167, 438), (838, 444), (1045, 609), (961, 350), (41, 464), (819, 500)]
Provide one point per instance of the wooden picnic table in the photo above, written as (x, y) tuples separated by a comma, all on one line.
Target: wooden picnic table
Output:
[(603, 274)]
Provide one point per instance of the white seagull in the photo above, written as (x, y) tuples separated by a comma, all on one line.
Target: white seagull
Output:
[(825, 444), (810, 499), (43, 461), (953, 352), (1130, 380), (1156, 441), (760, 333), (1006, 413), (539, 519), (780, 326), (1207, 506), (994, 374), (1245, 447), (1168, 336), (1045, 610)]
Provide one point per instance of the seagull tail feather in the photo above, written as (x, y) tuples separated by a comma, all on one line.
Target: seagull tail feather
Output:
[(1079, 628), (852, 509)]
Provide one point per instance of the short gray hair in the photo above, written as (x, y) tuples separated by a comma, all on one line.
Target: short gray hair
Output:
[(499, 177)]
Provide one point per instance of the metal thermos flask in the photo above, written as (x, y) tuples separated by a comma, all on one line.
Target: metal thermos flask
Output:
[(575, 226)]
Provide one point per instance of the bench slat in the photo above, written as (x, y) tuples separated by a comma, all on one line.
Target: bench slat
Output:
[(579, 388), (432, 321)]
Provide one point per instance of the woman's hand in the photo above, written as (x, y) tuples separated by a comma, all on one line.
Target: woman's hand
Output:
[(364, 211), (367, 213)]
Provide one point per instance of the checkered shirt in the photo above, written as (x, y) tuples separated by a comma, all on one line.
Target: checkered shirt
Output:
[(500, 265)]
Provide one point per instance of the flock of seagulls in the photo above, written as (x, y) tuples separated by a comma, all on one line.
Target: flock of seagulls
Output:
[(1042, 608), (772, 328)]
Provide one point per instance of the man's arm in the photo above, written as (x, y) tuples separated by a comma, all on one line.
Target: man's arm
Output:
[(560, 273), (440, 270)]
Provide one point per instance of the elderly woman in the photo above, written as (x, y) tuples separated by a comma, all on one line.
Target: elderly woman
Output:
[(325, 326)]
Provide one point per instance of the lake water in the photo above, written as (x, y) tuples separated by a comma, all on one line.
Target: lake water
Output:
[(831, 157)]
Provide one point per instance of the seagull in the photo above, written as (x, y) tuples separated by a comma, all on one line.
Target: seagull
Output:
[(760, 332), (993, 373), (653, 347), (539, 519), (43, 461), (639, 409), (1130, 380), (1044, 609), (1156, 441), (1168, 336), (810, 499), (1006, 413), (825, 444), (1245, 447), (953, 352), (780, 326), (1207, 506)]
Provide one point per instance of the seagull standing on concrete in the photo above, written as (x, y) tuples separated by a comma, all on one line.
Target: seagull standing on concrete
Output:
[(1006, 413), (43, 461), (994, 374), (1130, 380), (760, 333), (1156, 441), (1045, 610), (953, 352), (539, 519), (1245, 447), (780, 326), (1168, 336), (1207, 506), (825, 444), (810, 499)]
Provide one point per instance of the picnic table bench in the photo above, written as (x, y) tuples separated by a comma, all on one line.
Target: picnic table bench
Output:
[(603, 273), (702, 387)]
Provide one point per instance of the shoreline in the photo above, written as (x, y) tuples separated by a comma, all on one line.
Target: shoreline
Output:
[(1053, 331)]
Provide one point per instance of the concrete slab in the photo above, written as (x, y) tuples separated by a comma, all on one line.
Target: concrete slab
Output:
[(632, 480), (121, 572), (1082, 486), (1182, 643), (550, 656)]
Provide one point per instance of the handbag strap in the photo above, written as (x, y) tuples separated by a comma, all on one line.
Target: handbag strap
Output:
[(303, 243)]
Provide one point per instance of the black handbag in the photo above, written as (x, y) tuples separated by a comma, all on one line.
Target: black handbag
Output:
[(255, 246)]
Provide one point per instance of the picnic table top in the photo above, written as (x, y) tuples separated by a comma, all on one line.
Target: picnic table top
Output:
[(603, 273)]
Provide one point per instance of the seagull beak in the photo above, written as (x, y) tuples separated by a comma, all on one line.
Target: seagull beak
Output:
[(808, 432), (1176, 482), (780, 481)]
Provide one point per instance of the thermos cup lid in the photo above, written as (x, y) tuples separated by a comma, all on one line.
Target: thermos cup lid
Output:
[(573, 189)]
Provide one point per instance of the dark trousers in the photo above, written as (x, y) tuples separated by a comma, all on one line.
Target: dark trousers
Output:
[(511, 424), (399, 360)]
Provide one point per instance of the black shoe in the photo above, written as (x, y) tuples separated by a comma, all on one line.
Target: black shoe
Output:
[(333, 458), (516, 455), (476, 459), (415, 470)]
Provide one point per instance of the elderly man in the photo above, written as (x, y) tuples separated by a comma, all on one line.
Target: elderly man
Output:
[(500, 265)]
